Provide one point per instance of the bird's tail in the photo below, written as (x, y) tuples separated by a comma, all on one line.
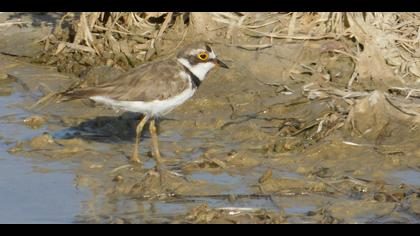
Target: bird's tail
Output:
[(73, 93), (45, 101)]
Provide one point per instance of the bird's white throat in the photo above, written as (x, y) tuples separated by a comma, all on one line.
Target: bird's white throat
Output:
[(200, 70)]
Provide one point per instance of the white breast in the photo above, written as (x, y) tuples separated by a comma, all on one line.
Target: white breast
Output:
[(153, 108)]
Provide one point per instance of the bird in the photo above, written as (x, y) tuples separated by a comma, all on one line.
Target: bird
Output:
[(153, 89)]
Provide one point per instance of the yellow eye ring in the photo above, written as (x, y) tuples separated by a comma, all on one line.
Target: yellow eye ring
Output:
[(203, 56)]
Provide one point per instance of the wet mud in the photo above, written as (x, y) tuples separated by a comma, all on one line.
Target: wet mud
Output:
[(272, 140)]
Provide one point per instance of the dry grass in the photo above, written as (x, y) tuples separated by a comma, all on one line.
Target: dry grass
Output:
[(392, 39), (386, 51)]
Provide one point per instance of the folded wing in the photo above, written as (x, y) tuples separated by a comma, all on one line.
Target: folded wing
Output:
[(151, 81)]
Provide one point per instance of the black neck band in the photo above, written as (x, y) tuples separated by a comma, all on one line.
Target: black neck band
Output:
[(195, 80)]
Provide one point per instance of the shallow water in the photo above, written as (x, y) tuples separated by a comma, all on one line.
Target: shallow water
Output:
[(27, 194), (410, 177)]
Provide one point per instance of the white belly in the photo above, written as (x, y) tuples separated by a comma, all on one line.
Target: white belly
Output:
[(152, 108)]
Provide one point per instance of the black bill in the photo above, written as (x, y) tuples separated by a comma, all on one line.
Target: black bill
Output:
[(220, 63)]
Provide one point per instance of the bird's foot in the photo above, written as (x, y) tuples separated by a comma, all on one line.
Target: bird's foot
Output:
[(135, 158)]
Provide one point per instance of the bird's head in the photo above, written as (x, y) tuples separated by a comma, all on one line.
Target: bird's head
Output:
[(199, 58)]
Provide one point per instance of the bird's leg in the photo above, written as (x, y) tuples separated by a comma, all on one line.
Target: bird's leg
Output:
[(155, 143), (158, 157), (139, 128)]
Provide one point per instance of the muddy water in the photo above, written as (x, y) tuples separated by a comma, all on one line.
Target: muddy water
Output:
[(31, 191), (250, 151)]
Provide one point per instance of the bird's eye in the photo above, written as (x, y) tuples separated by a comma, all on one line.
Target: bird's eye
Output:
[(203, 56)]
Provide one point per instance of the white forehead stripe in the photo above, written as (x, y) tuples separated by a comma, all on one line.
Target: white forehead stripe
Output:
[(212, 55), (196, 51)]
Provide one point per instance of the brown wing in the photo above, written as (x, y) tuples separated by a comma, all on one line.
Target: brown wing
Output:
[(151, 81)]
